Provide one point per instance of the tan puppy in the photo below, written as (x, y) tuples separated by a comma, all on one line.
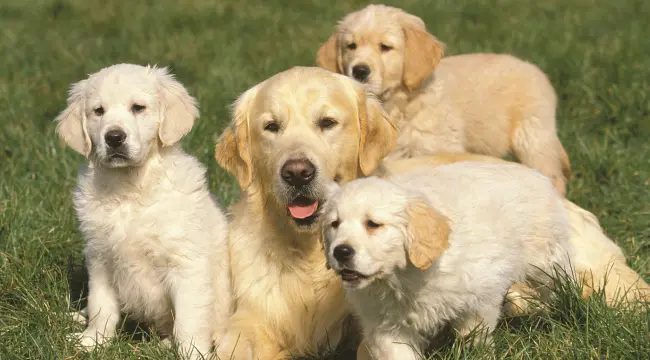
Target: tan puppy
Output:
[(290, 137), (481, 103), (599, 261)]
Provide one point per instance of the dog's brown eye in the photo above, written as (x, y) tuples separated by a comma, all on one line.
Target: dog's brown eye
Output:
[(272, 127), (99, 111), (137, 108), (326, 123), (372, 225), (352, 46), (334, 224), (385, 47)]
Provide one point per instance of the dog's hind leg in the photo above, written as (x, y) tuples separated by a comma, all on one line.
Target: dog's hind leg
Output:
[(478, 325), (536, 144)]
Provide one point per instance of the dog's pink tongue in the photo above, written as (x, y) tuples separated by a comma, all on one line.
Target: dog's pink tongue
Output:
[(303, 211)]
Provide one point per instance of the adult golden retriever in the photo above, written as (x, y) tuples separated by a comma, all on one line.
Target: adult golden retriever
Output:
[(481, 103), (291, 136)]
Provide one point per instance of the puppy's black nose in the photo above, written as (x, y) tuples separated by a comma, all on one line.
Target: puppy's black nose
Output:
[(343, 253), (361, 72), (115, 138), (298, 172)]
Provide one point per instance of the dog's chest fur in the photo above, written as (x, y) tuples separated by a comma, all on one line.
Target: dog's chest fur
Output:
[(409, 306), (138, 238), (291, 290)]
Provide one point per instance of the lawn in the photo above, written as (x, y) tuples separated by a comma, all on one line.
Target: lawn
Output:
[(597, 54)]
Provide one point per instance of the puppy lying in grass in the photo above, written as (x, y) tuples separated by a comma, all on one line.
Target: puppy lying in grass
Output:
[(434, 246), (155, 241), (491, 104)]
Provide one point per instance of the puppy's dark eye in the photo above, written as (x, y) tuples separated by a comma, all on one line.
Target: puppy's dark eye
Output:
[(272, 127), (99, 111), (136, 109), (372, 225), (326, 123), (385, 48), (352, 46), (335, 224)]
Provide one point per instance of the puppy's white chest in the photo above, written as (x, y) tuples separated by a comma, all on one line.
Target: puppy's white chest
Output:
[(128, 240), (125, 232)]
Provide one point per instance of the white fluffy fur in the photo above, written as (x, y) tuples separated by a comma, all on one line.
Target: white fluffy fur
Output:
[(507, 224), (155, 239), (598, 260)]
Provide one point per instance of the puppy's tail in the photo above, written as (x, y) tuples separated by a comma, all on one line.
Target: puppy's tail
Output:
[(600, 263)]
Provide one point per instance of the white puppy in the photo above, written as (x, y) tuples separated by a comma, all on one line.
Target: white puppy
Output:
[(432, 246), (156, 242)]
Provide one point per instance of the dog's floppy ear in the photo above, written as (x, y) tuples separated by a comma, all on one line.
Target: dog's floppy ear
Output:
[(71, 122), (179, 110), (232, 151), (378, 133), (428, 232), (329, 55), (422, 53)]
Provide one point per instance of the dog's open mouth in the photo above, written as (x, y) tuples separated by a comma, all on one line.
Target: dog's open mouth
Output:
[(118, 156), (351, 275), (303, 210)]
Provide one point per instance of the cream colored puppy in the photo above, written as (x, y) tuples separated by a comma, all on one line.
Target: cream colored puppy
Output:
[(481, 103), (291, 136), (598, 260), (432, 246), (155, 240)]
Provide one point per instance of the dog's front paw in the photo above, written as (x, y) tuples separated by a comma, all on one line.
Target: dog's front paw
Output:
[(233, 347), (88, 339), (80, 317)]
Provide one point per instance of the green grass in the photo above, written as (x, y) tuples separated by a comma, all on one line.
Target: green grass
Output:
[(597, 54)]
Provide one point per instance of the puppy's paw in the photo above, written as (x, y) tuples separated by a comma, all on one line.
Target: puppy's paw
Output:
[(166, 343), (87, 340), (80, 317), (521, 300)]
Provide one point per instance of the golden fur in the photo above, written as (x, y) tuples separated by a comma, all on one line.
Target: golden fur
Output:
[(481, 103), (430, 232), (286, 301)]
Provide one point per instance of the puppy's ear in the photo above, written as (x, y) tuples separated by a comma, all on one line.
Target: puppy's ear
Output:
[(71, 122), (378, 133), (179, 110), (329, 55), (428, 234), (232, 151), (422, 53)]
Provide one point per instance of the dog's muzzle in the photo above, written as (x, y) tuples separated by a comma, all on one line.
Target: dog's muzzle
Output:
[(361, 72), (299, 174), (117, 152)]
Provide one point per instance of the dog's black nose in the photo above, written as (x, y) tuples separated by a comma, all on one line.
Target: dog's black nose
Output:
[(298, 172), (361, 72), (115, 138), (343, 253)]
